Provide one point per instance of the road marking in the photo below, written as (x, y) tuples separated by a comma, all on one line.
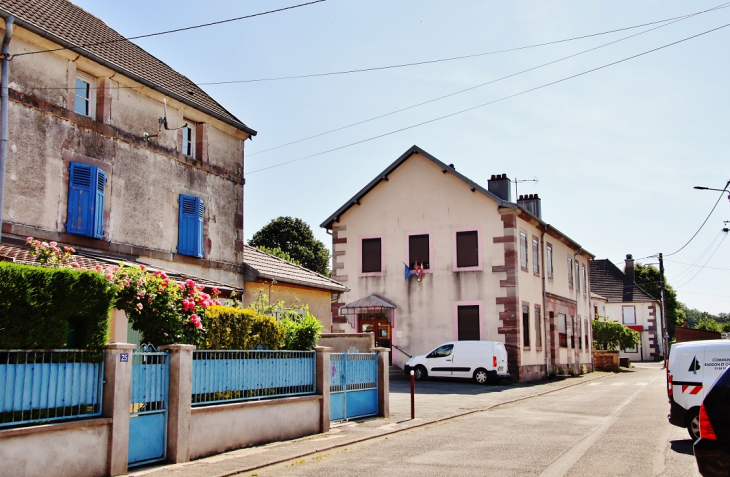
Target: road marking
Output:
[(641, 383), (618, 384), (594, 384), (561, 465)]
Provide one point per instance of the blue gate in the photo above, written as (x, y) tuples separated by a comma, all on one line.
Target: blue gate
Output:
[(148, 407), (353, 385)]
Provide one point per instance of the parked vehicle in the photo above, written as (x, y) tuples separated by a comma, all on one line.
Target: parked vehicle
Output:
[(484, 361), (693, 367), (712, 450)]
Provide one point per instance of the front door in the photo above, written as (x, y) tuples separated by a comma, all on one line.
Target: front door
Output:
[(378, 324)]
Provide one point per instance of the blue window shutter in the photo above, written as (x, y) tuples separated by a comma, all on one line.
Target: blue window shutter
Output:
[(81, 197), (190, 231), (99, 186)]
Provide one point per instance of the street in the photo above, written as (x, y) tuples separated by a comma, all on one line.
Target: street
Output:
[(611, 426)]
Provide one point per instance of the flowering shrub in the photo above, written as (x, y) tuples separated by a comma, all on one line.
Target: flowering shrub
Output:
[(49, 254)]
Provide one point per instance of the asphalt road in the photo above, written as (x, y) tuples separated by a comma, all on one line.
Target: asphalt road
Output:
[(612, 426)]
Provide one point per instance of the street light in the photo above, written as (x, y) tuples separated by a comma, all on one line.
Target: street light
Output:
[(718, 190)]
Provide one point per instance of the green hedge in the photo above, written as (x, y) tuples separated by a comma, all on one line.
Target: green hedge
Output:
[(53, 308), (234, 328)]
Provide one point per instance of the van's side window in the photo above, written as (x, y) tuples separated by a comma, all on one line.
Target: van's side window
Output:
[(441, 351)]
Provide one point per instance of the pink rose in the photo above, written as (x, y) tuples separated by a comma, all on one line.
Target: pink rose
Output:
[(142, 267), (29, 239), (216, 291), (217, 302), (109, 276), (195, 320), (53, 244), (139, 306)]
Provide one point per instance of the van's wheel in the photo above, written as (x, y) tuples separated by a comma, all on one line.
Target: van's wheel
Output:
[(481, 376), (693, 423), (420, 373)]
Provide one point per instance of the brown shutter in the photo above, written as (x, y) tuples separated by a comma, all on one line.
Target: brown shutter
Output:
[(467, 249), (371, 255), (468, 317), (418, 251)]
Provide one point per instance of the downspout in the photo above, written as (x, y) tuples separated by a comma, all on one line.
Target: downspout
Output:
[(544, 304), (577, 297), (4, 110)]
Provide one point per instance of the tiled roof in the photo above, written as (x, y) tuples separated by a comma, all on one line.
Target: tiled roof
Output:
[(369, 304), (261, 265), (71, 24), (11, 253), (613, 285)]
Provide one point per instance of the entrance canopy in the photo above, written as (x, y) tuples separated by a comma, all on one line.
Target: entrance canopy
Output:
[(369, 304)]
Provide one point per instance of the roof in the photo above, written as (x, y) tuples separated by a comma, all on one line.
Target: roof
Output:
[(22, 255), (259, 265), (70, 26), (383, 176), (613, 285), (369, 304)]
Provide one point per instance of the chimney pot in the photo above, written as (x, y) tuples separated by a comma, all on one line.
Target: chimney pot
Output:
[(501, 186)]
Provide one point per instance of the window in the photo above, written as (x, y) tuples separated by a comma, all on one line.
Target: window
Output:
[(579, 334), (468, 322), (535, 256), (562, 333), (538, 328), (570, 272), (188, 140), (550, 261), (372, 260), (441, 351), (526, 326), (629, 315), (585, 279), (190, 226), (523, 251), (85, 212), (635, 349), (467, 249), (585, 330), (84, 99), (572, 332), (577, 275), (419, 251)]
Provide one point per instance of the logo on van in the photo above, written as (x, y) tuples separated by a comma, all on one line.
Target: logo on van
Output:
[(694, 366)]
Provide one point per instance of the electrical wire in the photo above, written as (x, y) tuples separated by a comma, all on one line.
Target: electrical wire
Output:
[(203, 25), (695, 263), (703, 266), (707, 294), (504, 98), (675, 20), (689, 265)]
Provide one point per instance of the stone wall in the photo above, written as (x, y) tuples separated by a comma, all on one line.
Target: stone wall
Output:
[(606, 360)]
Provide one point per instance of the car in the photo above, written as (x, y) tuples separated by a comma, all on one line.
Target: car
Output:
[(693, 367), (483, 361), (712, 449)]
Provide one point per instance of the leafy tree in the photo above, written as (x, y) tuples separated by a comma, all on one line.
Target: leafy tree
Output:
[(277, 252), (294, 237), (612, 335), (708, 324), (647, 277), (694, 316)]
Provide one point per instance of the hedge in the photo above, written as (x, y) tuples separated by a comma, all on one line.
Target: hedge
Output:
[(234, 328), (47, 308)]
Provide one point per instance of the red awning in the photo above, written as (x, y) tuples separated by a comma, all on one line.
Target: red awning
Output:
[(638, 328)]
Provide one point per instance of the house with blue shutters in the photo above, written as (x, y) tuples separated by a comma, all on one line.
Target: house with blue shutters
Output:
[(112, 151)]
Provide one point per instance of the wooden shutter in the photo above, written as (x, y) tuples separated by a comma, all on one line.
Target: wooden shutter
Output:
[(81, 198), (418, 251), (371, 255), (468, 317), (190, 227), (467, 249), (98, 206)]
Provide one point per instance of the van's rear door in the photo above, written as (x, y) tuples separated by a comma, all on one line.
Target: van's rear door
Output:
[(500, 354)]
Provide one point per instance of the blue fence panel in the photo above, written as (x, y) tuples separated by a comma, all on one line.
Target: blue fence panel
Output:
[(39, 386), (229, 376), (353, 385), (148, 408)]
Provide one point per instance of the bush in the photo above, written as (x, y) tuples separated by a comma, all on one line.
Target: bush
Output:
[(302, 333), (53, 308), (234, 328), (612, 335)]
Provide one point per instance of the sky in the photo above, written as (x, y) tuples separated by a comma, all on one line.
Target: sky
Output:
[(616, 152)]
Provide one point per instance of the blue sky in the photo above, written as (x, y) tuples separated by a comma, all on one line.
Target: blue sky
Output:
[(616, 152)]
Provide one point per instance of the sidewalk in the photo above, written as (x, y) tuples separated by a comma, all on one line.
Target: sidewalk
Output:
[(435, 400)]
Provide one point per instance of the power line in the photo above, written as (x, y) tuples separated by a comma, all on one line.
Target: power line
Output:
[(691, 265), (489, 82), (707, 294), (703, 266), (567, 78), (203, 25), (689, 269)]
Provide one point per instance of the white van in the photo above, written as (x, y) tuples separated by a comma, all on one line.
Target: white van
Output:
[(693, 367), (484, 361)]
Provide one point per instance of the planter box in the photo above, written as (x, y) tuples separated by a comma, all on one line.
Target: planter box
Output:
[(606, 360)]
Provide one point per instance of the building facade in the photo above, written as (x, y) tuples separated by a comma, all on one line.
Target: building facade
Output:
[(492, 269)]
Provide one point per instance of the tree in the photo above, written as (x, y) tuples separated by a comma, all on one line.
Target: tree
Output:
[(612, 335), (294, 237), (708, 324), (647, 277), (277, 252)]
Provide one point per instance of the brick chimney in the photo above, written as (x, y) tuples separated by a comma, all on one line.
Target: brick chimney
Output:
[(531, 202), (501, 186), (629, 270)]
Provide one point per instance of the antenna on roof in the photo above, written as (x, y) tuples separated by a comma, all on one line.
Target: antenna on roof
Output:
[(162, 124), (517, 196)]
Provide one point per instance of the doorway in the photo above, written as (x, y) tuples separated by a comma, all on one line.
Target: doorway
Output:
[(379, 324)]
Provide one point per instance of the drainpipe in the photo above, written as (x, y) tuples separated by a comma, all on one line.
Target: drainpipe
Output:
[(577, 297), (546, 346), (4, 110)]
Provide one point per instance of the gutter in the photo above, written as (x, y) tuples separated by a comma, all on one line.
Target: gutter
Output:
[(114, 67)]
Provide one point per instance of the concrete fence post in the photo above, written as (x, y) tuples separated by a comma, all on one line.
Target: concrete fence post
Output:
[(115, 403), (179, 409), (383, 381), (323, 386)]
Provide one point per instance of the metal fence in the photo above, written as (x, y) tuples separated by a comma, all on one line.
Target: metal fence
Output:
[(38, 386), (353, 385), (229, 376)]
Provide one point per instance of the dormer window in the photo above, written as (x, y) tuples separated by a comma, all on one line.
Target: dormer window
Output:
[(84, 97)]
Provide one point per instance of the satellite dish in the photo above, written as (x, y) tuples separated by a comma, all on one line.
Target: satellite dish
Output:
[(162, 123)]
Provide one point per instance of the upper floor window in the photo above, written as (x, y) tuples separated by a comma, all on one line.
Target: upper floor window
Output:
[(85, 210), (371, 250), (585, 331), (579, 334), (523, 250), (84, 97), (467, 253), (190, 227), (577, 275), (570, 272), (538, 328), (419, 251), (629, 315), (549, 258), (188, 140), (585, 279), (562, 330), (535, 255)]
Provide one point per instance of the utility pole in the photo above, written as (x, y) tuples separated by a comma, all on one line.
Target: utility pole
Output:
[(665, 335)]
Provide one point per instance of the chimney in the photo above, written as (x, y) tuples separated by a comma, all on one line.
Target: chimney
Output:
[(531, 202), (501, 186), (629, 270)]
